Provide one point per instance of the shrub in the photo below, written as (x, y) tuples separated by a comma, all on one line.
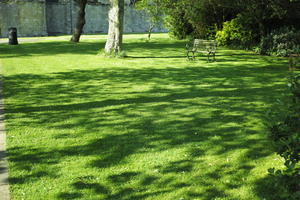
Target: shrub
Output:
[(178, 26), (285, 136), (280, 42), (196, 19), (234, 34)]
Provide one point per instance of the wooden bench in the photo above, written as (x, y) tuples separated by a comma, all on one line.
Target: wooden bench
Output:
[(207, 47), (294, 60)]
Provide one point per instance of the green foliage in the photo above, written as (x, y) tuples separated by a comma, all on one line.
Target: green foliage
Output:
[(234, 33), (280, 42), (285, 136), (197, 19), (178, 27), (211, 32), (175, 19), (153, 11), (254, 19)]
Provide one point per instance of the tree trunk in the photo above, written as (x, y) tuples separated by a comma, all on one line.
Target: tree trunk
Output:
[(115, 31), (150, 30), (80, 21)]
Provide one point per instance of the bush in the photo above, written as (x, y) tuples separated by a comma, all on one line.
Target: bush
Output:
[(285, 136), (196, 19), (178, 27), (234, 34), (280, 42)]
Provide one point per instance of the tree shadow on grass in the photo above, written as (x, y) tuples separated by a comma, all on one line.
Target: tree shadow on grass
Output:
[(168, 50), (134, 57), (50, 48), (205, 115), (3, 167), (268, 184), (135, 50)]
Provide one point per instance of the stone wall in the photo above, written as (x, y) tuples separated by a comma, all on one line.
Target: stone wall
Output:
[(27, 16), (59, 17), (51, 17), (96, 19)]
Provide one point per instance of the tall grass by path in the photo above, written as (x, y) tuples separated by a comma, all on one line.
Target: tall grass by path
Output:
[(150, 126)]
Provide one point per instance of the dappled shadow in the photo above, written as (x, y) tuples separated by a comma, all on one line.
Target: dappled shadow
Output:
[(3, 168), (204, 114), (135, 50), (156, 57), (156, 49), (50, 48), (270, 184)]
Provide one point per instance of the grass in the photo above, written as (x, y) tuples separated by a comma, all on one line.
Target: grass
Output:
[(150, 126)]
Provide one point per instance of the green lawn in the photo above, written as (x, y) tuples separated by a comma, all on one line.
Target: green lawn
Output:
[(150, 126)]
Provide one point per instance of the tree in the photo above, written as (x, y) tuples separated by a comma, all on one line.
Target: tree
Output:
[(154, 13), (197, 18), (115, 30), (80, 20), (202, 18)]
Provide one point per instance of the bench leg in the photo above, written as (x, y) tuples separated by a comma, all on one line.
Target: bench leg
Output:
[(194, 58), (188, 55), (208, 56), (213, 55)]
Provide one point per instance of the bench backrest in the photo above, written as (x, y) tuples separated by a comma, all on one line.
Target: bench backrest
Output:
[(200, 44)]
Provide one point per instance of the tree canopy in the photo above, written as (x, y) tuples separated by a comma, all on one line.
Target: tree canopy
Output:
[(203, 18)]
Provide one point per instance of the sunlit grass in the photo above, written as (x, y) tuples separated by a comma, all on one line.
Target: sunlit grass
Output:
[(150, 126)]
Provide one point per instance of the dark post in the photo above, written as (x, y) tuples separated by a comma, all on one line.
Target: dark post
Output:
[(12, 36)]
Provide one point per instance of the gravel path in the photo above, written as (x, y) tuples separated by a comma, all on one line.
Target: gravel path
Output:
[(4, 186), (39, 39)]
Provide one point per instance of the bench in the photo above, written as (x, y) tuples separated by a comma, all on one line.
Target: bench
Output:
[(294, 60), (207, 47)]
